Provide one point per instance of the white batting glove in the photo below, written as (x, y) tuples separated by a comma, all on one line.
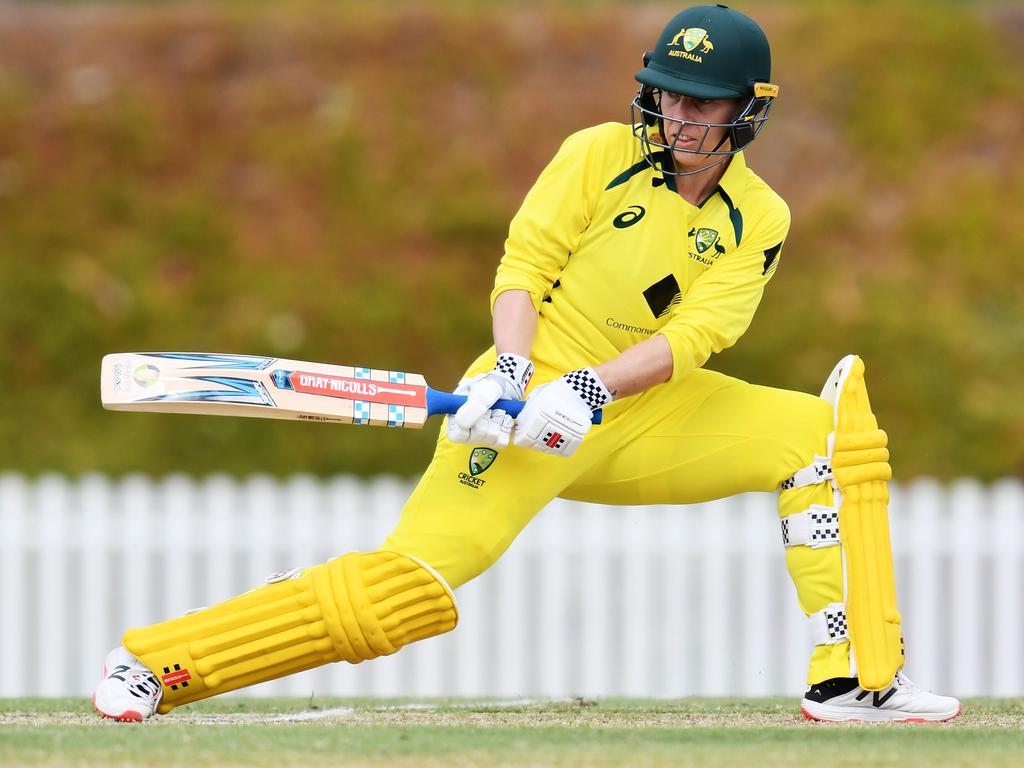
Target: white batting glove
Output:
[(557, 415), (476, 422)]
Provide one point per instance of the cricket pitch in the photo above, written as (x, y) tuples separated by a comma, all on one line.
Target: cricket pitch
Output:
[(527, 732)]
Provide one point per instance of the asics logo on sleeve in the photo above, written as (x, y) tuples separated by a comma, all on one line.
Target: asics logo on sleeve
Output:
[(629, 217)]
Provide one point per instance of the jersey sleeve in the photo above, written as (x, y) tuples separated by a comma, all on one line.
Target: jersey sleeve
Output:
[(720, 304), (553, 217)]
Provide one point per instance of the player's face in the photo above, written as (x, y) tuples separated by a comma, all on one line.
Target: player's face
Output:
[(691, 139)]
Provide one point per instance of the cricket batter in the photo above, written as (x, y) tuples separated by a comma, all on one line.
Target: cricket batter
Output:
[(640, 251)]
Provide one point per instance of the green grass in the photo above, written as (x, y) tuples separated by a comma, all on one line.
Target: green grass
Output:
[(708, 732)]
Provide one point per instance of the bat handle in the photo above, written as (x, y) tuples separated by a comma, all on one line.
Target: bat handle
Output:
[(446, 402)]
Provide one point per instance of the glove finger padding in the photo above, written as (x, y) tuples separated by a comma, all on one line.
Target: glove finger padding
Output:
[(475, 421), (481, 393), (492, 428), (492, 431), (456, 433)]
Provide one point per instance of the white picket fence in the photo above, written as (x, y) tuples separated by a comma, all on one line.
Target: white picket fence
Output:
[(590, 600)]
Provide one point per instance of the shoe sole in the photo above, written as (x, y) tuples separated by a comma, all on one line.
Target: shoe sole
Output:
[(822, 717), (128, 716)]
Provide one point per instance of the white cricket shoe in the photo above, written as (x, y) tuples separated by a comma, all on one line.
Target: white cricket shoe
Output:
[(842, 699), (128, 691)]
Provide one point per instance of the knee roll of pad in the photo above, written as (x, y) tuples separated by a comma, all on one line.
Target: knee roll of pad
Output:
[(357, 607)]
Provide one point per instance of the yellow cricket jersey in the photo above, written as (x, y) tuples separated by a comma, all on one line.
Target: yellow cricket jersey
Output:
[(612, 254)]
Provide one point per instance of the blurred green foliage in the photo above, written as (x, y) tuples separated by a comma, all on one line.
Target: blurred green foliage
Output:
[(334, 181)]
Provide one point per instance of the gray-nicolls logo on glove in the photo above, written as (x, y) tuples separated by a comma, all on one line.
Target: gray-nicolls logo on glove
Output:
[(557, 415)]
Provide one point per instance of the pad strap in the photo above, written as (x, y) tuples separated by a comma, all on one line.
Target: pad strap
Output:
[(819, 471), (828, 626), (815, 527)]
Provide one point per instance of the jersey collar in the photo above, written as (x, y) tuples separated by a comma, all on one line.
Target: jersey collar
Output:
[(734, 180), (732, 183)]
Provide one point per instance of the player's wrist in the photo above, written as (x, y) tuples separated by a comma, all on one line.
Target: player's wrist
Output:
[(586, 384), (516, 371)]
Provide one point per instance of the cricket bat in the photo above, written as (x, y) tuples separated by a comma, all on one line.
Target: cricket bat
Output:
[(274, 388)]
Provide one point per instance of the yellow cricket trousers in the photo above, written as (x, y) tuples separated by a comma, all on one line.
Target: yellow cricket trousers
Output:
[(706, 437)]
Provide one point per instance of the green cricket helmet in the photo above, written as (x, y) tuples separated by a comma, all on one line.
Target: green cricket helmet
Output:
[(705, 52)]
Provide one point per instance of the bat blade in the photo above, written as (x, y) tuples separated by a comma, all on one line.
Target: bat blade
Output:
[(262, 387), (274, 388)]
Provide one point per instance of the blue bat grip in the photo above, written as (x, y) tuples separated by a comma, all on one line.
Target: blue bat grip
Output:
[(446, 402)]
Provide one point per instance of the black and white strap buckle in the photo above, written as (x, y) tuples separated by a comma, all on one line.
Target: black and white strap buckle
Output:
[(815, 527), (588, 385), (828, 626), (819, 471), (518, 370)]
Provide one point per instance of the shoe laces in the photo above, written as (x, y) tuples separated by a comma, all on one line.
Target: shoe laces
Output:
[(905, 683), (139, 681), (143, 684)]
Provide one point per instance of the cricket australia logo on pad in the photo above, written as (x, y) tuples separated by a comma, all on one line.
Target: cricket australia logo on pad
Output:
[(480, 461)]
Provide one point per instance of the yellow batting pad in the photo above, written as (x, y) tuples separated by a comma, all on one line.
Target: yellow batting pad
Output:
[(357, 607), (861, 470)]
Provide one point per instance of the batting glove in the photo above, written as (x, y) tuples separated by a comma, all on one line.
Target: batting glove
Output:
[(557, 415), (476, 422)]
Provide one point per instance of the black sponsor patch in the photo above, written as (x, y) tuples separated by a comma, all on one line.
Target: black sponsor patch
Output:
[(663, 295), (770, 257)]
